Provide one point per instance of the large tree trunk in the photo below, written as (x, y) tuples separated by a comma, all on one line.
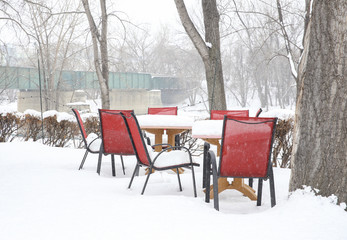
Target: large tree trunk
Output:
[(209, 49), (319, 154), (100, 50)]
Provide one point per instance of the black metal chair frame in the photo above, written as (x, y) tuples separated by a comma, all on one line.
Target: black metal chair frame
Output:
[(211, 168), (86, 145), (250, 180), (151, 166)]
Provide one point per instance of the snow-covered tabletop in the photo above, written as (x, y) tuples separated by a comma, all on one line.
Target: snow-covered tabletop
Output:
[(207, 129), (165, 121)]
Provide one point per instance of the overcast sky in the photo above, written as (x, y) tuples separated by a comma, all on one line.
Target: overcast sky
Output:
[(153, 12)]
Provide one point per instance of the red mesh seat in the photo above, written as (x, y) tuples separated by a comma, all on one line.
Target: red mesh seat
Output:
[(163, 111), (219, 114), (164, 160), (115, 137), (92, 146), (245, 153)]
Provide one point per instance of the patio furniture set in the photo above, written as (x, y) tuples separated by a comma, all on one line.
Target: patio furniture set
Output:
[(244, 146)]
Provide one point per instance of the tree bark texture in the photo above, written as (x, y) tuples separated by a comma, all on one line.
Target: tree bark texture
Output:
[(210, 53), (319, 157), (100, 50)]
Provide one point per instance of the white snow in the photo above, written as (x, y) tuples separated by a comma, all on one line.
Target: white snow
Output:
[(78, 104), (93, 142), (214, 128), (292, 65), (44, 196), (165, 120), (279, 113), (208, 44), (207, 128)]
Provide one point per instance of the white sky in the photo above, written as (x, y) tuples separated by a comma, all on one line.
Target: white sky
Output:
[(153, 12)]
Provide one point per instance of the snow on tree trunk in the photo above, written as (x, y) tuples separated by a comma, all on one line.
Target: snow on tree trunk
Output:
[(320, 137)]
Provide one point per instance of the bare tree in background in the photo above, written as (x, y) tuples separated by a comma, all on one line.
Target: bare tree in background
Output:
[(99, 39), (209, 49), (319, 157)]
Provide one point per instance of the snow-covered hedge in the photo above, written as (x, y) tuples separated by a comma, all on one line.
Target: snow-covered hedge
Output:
[(59, 129)]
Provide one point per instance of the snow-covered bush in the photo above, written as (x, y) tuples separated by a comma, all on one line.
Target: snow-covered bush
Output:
[(9, 125)]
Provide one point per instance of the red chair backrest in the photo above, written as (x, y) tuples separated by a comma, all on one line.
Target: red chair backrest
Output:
[(219, 114), (80, 125), (163, 111), (136, 137), (114, 134), (246, 146)]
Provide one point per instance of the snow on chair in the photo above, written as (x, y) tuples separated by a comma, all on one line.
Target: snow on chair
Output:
[(245, 153), (163, 160), (91, 142), (219, 114), (115, 137)]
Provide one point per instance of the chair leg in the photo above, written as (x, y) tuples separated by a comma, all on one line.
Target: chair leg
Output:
[(121, 159), (207, 180), (194, 183), (149, 174), (250, 182), (179, 180), (83, 160), (136, 170), (204, 171), (98, 169), (272, 188), (211, 158), (260, 190), (113, 166)]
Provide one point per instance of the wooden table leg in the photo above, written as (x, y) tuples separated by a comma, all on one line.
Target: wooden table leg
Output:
[(237, 184)]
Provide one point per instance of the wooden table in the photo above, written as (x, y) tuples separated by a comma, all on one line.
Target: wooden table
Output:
[(158, 124), (211, 132)]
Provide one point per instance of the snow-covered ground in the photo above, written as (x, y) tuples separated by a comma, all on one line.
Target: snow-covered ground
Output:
[(44, 196)]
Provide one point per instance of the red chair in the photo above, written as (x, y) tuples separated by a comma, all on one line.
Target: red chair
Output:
[(219, 114), (115, 137), (164, 160), (245, 153), (90, 146), (163, 111)]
